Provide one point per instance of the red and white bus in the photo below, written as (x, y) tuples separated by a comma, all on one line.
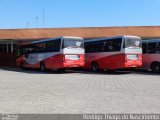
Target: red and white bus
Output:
[(151, 55), (113, 53), (56, 54)]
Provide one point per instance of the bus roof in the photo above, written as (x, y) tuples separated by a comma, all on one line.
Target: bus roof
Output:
[(106, 38), (151, 40), (50, 39), (62, 37)]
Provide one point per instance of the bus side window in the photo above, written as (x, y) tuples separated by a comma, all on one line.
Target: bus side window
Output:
[(144, 46), (152, 48), (117, 44), (53, 46), (158, 47), (99, 46), (94, 48), (39, 47), (106, 48), (112, 45), (88, 47)]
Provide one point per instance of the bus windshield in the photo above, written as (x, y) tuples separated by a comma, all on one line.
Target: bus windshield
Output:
[(132, 42), (73, 43)]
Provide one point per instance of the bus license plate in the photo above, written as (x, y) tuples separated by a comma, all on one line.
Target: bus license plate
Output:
[(72, 57), (132, 57)]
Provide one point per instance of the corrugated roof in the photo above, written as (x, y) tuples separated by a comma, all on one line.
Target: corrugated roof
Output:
[(88, 32)]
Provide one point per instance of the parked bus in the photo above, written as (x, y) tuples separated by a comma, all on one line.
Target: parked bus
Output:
[(151, 55), (113, 53), (56, 54)]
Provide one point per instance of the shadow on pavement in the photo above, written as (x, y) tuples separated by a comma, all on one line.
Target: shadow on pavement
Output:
[(27, 70), (144, 72), (117, 72), (121, 72), (37, 71)]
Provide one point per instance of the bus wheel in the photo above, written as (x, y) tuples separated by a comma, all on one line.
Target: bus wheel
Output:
[(95, 67), (155, 67), (42, 67)]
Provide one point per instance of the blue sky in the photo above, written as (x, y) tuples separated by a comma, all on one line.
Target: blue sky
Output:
[(78, 13)]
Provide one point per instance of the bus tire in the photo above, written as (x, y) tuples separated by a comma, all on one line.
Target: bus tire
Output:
[(155, 66), (42, 67), (95, 67)]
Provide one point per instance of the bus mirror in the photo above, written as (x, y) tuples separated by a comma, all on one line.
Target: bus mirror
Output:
[(137, 43), (78, 44)]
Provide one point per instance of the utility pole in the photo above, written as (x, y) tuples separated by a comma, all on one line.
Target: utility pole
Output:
[(27, 25), (37, 22)]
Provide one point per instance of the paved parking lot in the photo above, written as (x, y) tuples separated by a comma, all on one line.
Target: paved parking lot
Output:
[(31, 91)]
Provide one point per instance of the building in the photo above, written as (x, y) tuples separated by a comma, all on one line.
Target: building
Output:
[(9, 38)]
